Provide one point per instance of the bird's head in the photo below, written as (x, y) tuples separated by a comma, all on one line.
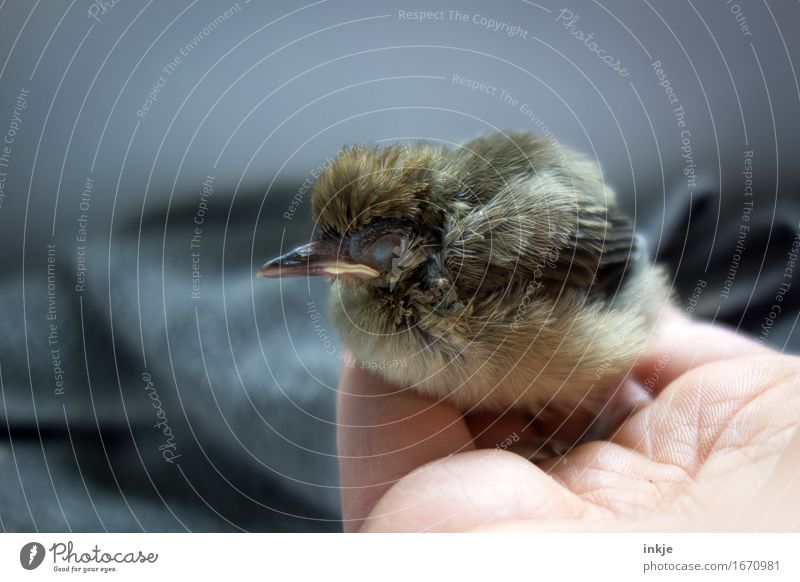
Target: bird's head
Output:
[(377, 219)]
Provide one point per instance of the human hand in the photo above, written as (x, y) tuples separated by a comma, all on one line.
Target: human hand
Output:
[(719, 412)]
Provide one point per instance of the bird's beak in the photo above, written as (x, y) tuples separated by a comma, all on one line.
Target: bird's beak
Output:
[(316, 259)]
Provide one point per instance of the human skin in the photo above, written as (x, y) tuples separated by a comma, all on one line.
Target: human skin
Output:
[(699, 452)]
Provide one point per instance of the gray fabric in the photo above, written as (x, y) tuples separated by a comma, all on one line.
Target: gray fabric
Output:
[(742, 258), (254, 431)]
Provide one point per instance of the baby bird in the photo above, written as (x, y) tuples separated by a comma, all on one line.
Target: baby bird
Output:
[(501, 272)]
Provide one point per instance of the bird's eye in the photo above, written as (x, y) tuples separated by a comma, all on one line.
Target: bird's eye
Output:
[(382, 250), (377, 252)]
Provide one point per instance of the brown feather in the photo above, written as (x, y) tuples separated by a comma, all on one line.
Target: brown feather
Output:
[(522, 285)]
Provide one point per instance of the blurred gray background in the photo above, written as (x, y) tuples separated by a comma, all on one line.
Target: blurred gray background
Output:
[(147, 101)]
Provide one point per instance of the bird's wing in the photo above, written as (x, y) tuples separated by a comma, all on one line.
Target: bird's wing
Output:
[(537, 231), (601, 252)]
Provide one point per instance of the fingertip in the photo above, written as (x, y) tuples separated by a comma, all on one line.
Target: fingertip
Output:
[(717, 410), (680, 344)]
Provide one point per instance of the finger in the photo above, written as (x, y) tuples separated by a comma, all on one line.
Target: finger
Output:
[(770, 507), (383, 434), (716, 430), (719, 410), (680, 344), (774, 507), (472, 490)]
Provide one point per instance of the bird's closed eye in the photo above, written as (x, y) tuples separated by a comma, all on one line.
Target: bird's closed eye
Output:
[(377, 252)]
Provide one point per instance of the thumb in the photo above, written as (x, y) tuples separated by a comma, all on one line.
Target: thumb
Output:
[(384, 433)]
